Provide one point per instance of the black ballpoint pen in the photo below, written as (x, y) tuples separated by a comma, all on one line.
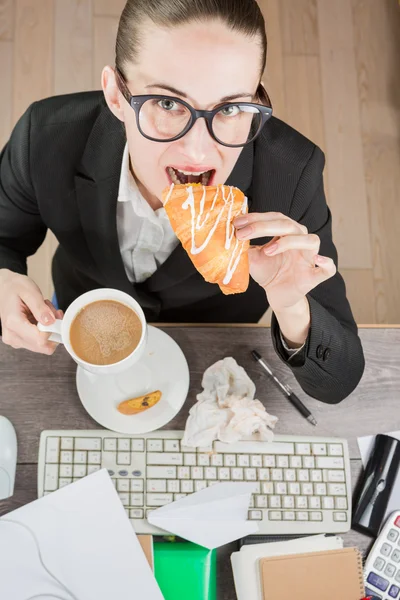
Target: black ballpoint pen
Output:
[(287, 390)]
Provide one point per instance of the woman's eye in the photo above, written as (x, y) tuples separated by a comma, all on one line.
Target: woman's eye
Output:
[(168, 104), (230, 111)]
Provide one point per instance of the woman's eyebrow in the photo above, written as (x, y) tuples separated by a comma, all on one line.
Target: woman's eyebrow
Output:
[(176, 92)]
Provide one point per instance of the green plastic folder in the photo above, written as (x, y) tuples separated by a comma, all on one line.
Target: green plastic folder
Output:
[(185, 571)]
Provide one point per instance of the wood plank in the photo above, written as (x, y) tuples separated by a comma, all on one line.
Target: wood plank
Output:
[(33, 53), (6, 60), (73, 46), (108, 8), (299, 22), (6, 19), (105, 32), (360, 293), (273, 76), (377, 26), (346, 185)]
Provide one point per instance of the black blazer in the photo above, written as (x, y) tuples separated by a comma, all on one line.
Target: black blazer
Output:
[(61, 170)]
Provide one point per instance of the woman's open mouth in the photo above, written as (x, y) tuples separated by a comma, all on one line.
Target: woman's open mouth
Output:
[(176, 176)]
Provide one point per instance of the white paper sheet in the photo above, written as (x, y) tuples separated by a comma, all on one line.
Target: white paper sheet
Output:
[(85, 540), (365, 445), (245, 565), (212, 517)]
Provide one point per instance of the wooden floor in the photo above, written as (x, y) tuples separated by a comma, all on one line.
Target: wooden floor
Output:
[(332, 72)]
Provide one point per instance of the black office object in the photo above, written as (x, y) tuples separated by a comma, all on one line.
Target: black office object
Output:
[(373, 493)]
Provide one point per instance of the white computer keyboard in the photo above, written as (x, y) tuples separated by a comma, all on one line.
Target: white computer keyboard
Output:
[(303, 484)]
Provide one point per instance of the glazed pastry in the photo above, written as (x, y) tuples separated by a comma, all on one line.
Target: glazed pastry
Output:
[(138, 405), (202, 217)]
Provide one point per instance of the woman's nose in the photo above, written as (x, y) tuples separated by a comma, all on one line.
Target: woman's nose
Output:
[(197, 144)]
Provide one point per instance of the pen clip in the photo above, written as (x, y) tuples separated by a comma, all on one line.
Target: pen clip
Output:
[(287, 388)]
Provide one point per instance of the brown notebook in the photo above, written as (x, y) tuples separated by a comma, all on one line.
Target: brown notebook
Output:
[(330, 575)]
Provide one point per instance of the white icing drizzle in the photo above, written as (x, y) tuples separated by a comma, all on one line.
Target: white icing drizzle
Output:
[(202, 202), (190, 202), (169, 193)]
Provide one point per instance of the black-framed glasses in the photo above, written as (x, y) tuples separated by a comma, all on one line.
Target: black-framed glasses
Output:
[(163, 118)]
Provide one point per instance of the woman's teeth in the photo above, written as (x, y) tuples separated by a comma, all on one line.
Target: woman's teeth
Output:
[(179, 177)]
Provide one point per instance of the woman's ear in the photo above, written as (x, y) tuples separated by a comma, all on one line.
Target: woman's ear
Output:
[(112, 94)]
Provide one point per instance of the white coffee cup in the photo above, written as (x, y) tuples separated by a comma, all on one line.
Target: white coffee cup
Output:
[(61, 327)]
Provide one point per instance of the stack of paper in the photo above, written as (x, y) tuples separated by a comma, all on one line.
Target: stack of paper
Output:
[(245, 563)]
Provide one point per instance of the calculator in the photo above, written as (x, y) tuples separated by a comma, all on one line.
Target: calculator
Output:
[(382, 567)]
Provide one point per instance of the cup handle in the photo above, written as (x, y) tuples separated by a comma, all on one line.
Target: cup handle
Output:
[(54, 329)]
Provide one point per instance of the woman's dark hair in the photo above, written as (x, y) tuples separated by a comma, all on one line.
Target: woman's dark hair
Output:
[(240, 15)]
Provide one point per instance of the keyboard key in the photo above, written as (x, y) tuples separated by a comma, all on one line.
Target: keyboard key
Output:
[(110, 444), (394, 591), (190, 460), (275, 515), (230, 460), (327, 503), (137, 485), (123, 458), (217, 460), (301, 502), (315, 516), (124, 497), (307, 489), (281, 488), (256, 461), (159, 499), (289, 515), (255, 515), (94, 458), (390, 570), (203, 460), (378, 581), (379, 563), (64, 481), (79, 470), (282, 462), (320, 489), (274, 501), (124, 445), (80, 457), (288, 502), (308, 462), (295, 462), (294, 488), (155, 446), (267, 488), (301, 516), (261, 501), (137, 445), (316, 475), (210, 473), (88, 443), (179, 496), (244, 460), (123, 485), (162, 472), (374, 594), (199, 485), (52, 449), (250, 474), (314, 502), (269, 461), (93, 469), (224, 473), (156, 485), (187, 486), (335, 449), (237, 474), (340, 516), (303, 448), (341, 502), (289, 475), (334, 475), (303, 475), (174, 486), (319, 449), (172, 446), (123, 473), (276, 474), (137, 500), (329, 462), (392, 535), (136, 513), (50, 477), (65, 470), (67, 443), (395, 556), (184, 472), (197, 473), (164, 458)]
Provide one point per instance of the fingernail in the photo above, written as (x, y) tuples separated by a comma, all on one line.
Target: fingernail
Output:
[(239, 221), (243, 234), (46, 319), (320, 259), (271, 249)]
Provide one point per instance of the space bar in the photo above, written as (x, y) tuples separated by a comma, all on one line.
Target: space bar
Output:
[(255, 448)]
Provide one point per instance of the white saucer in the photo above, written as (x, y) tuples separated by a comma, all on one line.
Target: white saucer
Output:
[(163, 367)]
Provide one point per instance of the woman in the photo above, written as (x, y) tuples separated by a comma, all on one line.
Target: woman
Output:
[(91, 167)]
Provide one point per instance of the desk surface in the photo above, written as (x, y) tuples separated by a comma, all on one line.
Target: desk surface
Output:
[(38, 392)]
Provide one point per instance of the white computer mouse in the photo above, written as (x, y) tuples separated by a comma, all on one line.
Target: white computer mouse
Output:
[(8, 458)]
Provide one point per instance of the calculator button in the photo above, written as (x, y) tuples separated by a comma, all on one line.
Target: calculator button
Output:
[(397, 521), (395, 556), (369, 592), (379, 563), (378, 581), (386, 549), (394, 591), (390, 570), (392, 535)]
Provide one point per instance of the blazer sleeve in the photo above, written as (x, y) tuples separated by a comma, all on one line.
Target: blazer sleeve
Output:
[(331, 363), (22, 230)]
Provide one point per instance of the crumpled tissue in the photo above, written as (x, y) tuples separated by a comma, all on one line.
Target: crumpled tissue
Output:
[(226, 409)]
